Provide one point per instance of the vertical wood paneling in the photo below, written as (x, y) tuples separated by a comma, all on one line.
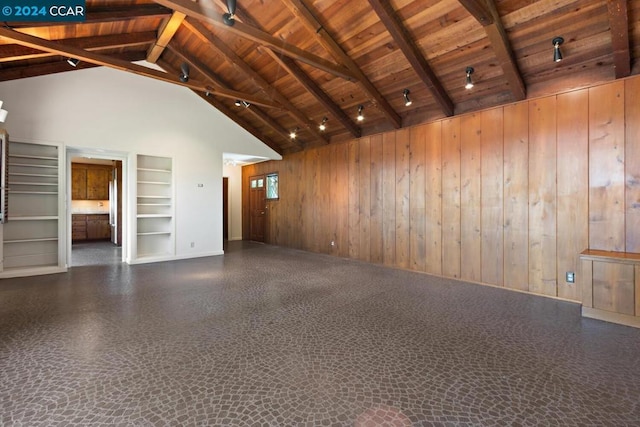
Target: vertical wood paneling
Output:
[(403, 207), (342, 211), (433, 198), (312, 178), (637, 276), (377, 203), (516, 196), (451, 197), (435, 189), (417, 190), (586, 281), (365, 199), (492, 196), (470, 212), (334, 201), (354, 199), (389, 198), (542, 196), (632, 166), (606, 167), (573, 186)]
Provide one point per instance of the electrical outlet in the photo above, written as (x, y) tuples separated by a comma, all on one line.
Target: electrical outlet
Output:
[(333, 243), (571, 277), (193, 244)]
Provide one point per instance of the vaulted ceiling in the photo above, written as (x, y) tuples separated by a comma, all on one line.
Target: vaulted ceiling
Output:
[(296, 62)]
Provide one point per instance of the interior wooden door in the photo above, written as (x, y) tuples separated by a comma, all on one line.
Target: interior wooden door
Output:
[(257, 206)]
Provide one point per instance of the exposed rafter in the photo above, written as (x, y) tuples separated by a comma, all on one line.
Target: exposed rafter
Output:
[(293, 69), (212, 16), (224, 109), (486, 14), (165, 34), (619, 23), (216, 44), (315, 27), (217, 81), (21, 72), (13, 52), (394, 25)]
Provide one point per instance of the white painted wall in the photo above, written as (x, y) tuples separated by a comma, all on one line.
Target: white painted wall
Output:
[(101, 108), (234, 173)]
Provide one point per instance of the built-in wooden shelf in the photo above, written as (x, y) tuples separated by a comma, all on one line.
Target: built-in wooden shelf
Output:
[(611, 286)]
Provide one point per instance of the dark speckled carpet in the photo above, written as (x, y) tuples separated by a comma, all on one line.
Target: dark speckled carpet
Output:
[(275, 337)]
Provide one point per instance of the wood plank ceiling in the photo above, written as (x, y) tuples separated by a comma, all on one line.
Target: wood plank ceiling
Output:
[(295, 62)]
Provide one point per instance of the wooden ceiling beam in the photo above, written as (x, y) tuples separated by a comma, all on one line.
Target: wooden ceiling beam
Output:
[(14, 52), (619, 24), (95, 58), (213, 17), (96, 15), (239, 64), (166, 32), (401, 36), (220, 106), (24, 71), (311, 86), (315, 28), (487, 15)]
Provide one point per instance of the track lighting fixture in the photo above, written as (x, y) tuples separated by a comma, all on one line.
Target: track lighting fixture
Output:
[(360, 115), (184, 72), (407, 100), (245, 104), (294, 133), (229, 18), (469, 83), (73, 62), (323, 125), (238, 103), (557, 55)]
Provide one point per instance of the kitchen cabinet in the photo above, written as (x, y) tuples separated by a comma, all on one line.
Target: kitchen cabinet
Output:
[(90, 227), (90, 182)]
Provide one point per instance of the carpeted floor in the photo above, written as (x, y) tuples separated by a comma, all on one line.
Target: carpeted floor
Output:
[(276, 337)]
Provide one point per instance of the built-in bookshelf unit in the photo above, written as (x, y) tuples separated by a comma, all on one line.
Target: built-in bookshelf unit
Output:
[(154, 208), (30, 234)]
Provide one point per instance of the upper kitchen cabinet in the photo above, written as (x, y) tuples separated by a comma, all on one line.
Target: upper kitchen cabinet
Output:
[(90, 182)]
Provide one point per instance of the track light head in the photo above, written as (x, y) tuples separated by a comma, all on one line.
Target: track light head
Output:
[(229, 18), (323, 125), (184, 72), (245, 104), (238, 103), (360, 114), (73, 62), (407, 100), (469, 82), (294, 133), (557, 55)]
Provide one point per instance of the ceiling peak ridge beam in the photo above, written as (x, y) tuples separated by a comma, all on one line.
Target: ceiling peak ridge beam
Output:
[(166, 32), (401, 36), (299, 74), (485, 12), (222, 107), (303, 12), (216, 44), (216, 80), (107, 61), (12, 52), (211, 16), (311, 86), (619, 24)]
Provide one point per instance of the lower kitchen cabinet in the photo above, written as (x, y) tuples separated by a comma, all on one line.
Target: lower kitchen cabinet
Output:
[(90, 227)]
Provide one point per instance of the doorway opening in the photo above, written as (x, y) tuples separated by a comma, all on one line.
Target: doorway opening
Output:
[(96, 220)]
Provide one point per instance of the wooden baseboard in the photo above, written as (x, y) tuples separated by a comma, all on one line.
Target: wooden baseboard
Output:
[(607, 316)]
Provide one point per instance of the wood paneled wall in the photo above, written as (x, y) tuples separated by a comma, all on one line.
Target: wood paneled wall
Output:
[(508, 196)]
